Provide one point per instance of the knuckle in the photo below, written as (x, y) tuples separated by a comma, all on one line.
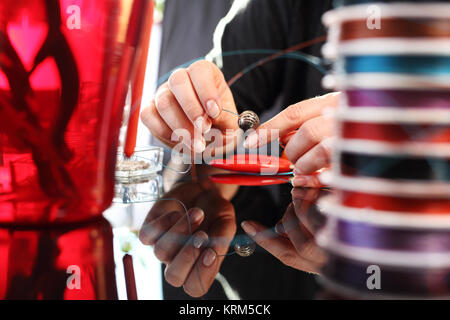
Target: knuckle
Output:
[(160, 253), (199, 67), (178, 77), (309, 132), (294, 113), (288, 259), (188, 255), (163, 100), (327, 148), (173, 278), (192, 110)]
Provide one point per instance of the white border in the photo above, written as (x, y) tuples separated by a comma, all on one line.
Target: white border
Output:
[(429, 260), (391, 10), (385, 81), (387, 46), (393, 115), (383, 148), (329, 205)]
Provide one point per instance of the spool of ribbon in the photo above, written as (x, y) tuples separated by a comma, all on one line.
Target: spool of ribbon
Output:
[(429, 99), (341, 3), (412, 28), (403, 282), (419, 205), (395, 133), (413, 65), (370, 236), (395, 167)]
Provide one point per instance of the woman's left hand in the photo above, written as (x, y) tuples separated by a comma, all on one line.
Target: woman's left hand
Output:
[(306, 129)]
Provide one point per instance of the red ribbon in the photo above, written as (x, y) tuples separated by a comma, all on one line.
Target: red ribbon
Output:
[(392, 203)]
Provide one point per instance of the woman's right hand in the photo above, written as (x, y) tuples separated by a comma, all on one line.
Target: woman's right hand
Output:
[(192, 99)]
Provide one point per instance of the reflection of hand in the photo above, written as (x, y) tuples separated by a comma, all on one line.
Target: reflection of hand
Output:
[(192, 260), (293, 242)]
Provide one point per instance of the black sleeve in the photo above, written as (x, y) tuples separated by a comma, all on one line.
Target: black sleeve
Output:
[(263, 24)]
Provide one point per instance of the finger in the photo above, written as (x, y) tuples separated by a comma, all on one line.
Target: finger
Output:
[(291, 119), (153, 230), (171, 242), (285, 139), (178, 199), (311, 133), (206, 268), (303, 206), (173, 115), (178, 270), (280, 247), (315, 159), (302, 238), (206, 81), (183, 90), (309, 215), (309, 195), (213, 93), (306, 181), (157, 126)]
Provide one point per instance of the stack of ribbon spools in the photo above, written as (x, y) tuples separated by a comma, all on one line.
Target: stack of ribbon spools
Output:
[(388, 229)]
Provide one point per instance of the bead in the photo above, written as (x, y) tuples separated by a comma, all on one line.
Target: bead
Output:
[(245, 247), (248, 120)]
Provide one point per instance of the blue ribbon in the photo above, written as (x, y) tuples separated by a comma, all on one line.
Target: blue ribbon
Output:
[(415, 65)]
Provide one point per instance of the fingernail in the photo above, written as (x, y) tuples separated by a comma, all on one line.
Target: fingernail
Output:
[(209, 257), (279, 228), (297, 172), (212, 109), (199, 123), (199, 146), (200, 238), (196, 215), (251, 141), (299, 182), (248, 228), (203, 124)]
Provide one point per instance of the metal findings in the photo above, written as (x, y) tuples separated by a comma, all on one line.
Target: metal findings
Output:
[(245, 247), (248, 120)]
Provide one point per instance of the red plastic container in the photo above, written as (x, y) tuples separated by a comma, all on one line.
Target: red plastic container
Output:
[(65, 66)]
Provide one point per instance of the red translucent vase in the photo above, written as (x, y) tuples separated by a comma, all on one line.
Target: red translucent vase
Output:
[(65, 67), (66, 263)]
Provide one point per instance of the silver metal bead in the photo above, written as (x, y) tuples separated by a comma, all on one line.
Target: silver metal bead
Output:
[(248, 120), (245, 247)]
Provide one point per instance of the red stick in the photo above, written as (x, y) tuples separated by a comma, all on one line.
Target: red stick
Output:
[(130, 280), (138, 84)]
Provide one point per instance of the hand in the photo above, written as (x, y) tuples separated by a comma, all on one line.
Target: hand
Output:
[(192, 252), (193, 99), (306, 131), (293, 242)]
